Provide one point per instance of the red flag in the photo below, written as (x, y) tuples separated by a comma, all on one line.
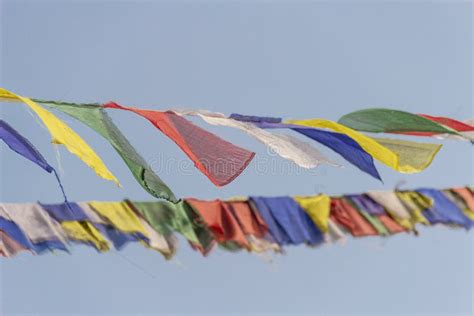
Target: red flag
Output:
[(218, 159)]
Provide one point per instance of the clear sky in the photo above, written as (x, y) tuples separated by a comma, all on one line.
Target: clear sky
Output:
[(297, 59)]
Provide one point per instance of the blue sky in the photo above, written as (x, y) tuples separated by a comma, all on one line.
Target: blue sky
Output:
[(297, 59)]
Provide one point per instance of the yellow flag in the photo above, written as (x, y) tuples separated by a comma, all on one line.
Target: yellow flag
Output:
[(318, 208), (86, 232), (62, 134), (120, 215), (403, 156)]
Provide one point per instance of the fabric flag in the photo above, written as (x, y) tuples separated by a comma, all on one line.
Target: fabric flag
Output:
[(76, 224), (416, 204), (388, 120), (43, 231), (166, 217), (318, 208), (287, 147), (23, 147), (221, 222), (400, 155), (64, 135), (8, 246), (444, 211), (345, 215), (97, 119), (276, 230), (216, 158), (296, 223)]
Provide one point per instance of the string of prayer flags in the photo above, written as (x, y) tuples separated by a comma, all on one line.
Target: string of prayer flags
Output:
[(256, 224), (222, 161)]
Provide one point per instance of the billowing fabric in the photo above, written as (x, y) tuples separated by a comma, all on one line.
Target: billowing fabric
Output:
[(77, 225), (36, 223), (8, 246), (345, 215), (97, 119), (23, 147), (296, 223), (339, 143), (301, 153), (388, 120), (166, 217), (120, 216), (392, 204), (400, 155), (444, 211), (416, 204), (413, 156), (220, 221), (277, 232), (62, 134), (365, 203), (318, 208), (216, 158)]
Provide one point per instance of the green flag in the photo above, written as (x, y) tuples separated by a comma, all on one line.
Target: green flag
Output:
[(387, 120), (166, 217)]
